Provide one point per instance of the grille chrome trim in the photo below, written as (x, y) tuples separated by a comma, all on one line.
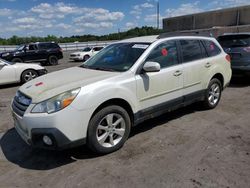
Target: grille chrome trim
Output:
[(20, 103)]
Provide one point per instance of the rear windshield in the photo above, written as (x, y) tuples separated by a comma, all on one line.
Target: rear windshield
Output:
[(230, 41)]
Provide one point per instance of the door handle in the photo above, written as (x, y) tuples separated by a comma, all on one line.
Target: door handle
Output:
[(207, 65), (177, 73)]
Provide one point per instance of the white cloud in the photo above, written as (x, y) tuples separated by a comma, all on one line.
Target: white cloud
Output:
[(130, 24), (184, 9), (26, 20), (5, 12), (138, 9), (147, 5)]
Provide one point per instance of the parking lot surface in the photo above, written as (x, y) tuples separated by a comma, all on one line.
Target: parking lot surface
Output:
[(189, 147)]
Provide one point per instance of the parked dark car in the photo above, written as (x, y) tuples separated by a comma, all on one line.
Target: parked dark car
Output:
[(43, 52), (237, 45)]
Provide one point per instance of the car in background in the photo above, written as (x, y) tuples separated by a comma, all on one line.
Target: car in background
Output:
[(19, 72), (237, 45), (43, 52), (85, 53)]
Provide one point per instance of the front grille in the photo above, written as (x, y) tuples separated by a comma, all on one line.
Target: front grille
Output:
[(20, 103), (72, 55)]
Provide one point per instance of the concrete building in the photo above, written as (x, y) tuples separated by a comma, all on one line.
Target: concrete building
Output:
[(215, 22)]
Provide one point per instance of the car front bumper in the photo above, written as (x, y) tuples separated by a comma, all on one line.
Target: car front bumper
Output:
[(42, 72), (66, 128)]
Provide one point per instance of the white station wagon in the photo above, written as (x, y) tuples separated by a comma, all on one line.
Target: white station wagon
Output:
[(126, 83)]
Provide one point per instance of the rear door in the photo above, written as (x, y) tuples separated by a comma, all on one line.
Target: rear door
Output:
[(194, 67), (156, 89)]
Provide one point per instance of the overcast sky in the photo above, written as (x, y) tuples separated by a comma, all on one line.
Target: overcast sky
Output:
[(78, 17)]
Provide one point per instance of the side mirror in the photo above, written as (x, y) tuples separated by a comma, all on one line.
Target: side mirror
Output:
[(151, 66)]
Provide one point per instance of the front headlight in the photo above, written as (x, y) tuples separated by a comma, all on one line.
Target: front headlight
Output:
[(6, 54), (56, 103)]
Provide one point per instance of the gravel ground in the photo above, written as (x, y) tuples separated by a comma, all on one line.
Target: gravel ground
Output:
[(189, 147)]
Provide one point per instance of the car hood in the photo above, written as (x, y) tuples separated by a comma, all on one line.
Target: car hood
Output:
[(52, 84)]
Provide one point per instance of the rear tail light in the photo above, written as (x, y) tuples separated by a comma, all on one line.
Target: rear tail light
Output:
[(60, 49), (228, 58), (247, 49)]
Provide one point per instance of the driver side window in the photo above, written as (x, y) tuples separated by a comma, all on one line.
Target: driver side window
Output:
[(165, 54)]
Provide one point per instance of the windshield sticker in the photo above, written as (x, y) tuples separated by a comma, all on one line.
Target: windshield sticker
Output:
[(141, 46)]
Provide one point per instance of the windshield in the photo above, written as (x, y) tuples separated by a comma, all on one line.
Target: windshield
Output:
[(20, 48), (3, 61), (230, 41), (116, 57), (86, 49)]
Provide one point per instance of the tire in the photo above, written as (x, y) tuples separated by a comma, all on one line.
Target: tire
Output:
[(103, 135), (86, 57), (17, 60), (53, 60), (28, 75), (213, 94)]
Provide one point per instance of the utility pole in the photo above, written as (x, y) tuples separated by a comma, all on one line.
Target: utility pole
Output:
[(158, 14)]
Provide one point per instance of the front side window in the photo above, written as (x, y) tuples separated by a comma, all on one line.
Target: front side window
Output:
[(165, 54), (191, 50), (116, 57)]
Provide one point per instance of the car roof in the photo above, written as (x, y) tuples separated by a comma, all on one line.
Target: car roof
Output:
[(147, 39), (153, 38)]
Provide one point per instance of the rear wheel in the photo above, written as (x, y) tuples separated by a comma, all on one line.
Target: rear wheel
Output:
[(53, 60), (17, 60), (28, 75), (213, 94), (108, 129)]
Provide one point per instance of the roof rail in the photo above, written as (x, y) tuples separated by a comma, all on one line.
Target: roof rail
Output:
[(185, 33)]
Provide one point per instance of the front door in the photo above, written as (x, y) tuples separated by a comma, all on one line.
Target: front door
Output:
[(163, 87)]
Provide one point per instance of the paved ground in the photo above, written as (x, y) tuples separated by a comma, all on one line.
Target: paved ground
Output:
[(189, 147)]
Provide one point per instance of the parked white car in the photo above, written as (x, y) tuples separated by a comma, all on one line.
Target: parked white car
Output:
[(124, 84), (85, 54), (19, 72)]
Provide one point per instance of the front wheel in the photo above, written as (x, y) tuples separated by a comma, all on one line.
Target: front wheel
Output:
[(213, 94), (108, 129)]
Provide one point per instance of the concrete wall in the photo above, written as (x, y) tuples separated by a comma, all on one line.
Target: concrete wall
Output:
[(226, 17)]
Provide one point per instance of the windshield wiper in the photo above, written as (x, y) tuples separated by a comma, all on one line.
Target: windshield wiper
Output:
[(104, 69)]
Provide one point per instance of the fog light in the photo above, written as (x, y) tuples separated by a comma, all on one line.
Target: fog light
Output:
[(47, 140)]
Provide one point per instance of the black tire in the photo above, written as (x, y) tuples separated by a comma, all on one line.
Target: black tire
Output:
[(28, 75), (86, 57), (117, 114), (52, 60), (213, 94), (17, 60)]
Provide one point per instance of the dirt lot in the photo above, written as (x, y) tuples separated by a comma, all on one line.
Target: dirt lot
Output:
[(189, 147)]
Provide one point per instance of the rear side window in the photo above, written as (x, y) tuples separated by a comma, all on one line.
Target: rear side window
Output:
[(191, 50), (165, 54), (211, 48), (48, 45)]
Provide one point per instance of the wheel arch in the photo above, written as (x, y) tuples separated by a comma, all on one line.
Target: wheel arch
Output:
[(220, 77), (119, 102)]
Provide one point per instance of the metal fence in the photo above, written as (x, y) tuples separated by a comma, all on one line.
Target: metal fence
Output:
[(66, 46)]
